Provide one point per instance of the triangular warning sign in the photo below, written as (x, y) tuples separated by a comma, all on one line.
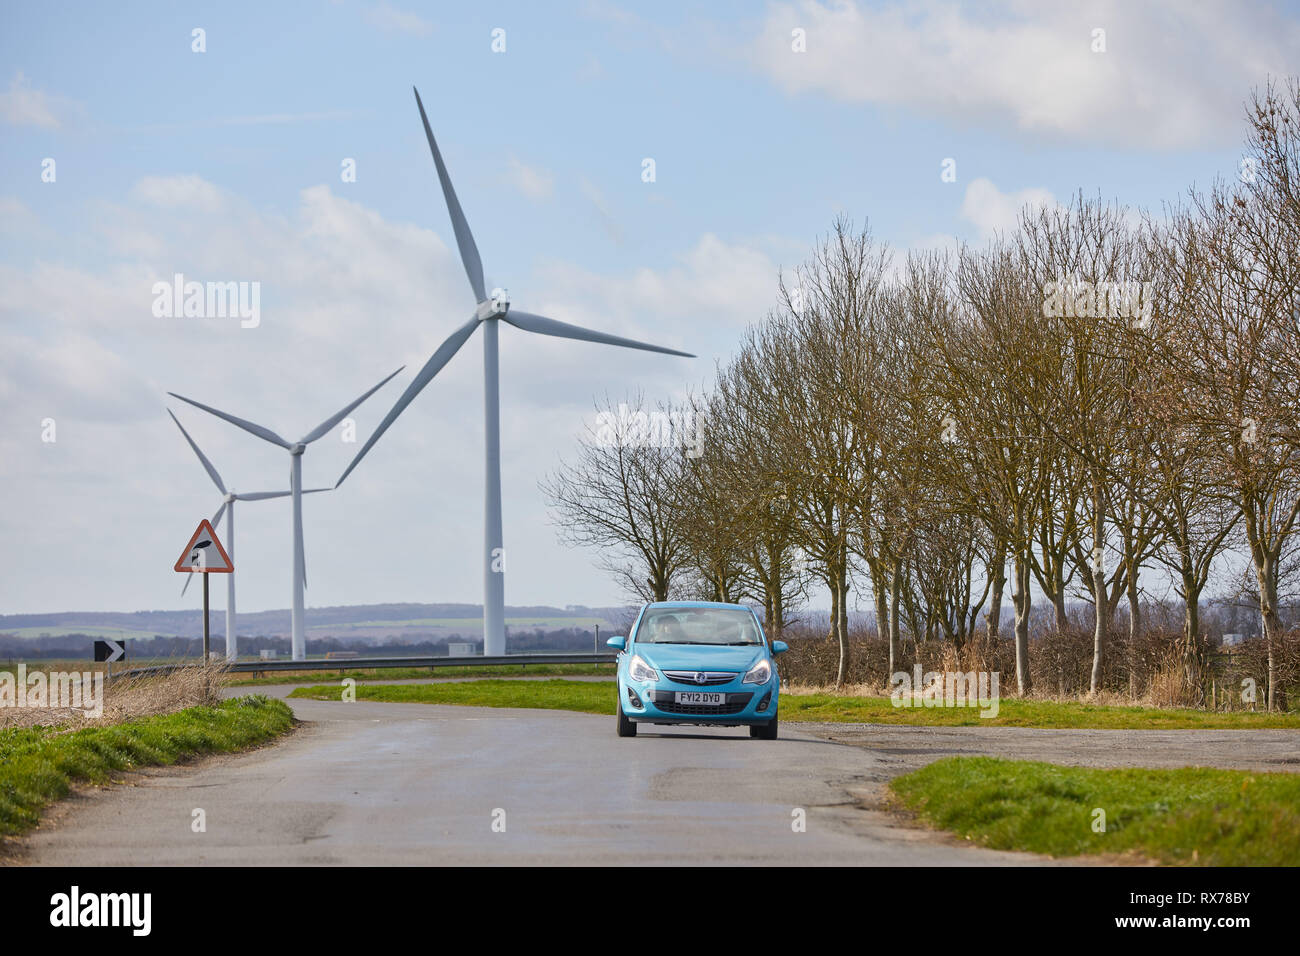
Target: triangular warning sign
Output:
[(204, 554)]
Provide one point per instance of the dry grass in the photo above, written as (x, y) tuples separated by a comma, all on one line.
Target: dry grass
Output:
[(130, 698), (848, 690), (1156, 669)]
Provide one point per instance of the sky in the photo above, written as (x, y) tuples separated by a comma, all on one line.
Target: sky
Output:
[(133, 148)]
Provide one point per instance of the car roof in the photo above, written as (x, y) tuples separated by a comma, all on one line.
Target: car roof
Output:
[(722, 604)]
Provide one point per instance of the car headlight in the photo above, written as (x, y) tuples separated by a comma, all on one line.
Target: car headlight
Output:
[(637, 669), (759, 673)]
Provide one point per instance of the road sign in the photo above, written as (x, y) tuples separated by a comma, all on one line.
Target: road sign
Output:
[(204, 554), (106, 652)]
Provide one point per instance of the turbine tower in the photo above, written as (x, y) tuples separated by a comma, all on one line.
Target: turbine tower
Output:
[(228, 499), (295, 449), (488, 312)]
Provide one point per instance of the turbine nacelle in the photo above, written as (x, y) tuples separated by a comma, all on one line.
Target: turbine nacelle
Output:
[(495, 306)]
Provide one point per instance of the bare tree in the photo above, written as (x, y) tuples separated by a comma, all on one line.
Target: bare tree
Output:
[(619, 495), (988, 363), (1235, 269), (814, 359), (1087, 263)]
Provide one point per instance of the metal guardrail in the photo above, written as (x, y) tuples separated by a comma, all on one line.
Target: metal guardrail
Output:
[(375, 663)]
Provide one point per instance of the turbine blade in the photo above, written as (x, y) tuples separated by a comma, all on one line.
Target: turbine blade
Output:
[(464, 238), (544, 326), (333, 420), (264, 433), (422, 378), (263, 495), (212, 471)]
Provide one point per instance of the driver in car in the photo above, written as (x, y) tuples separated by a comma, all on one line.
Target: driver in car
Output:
[(668, 630)]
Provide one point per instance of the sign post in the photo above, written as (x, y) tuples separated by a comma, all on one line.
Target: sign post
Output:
[(206, 653), (204, 555), (107, 652)]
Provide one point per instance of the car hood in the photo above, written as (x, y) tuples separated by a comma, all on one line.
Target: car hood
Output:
[(699, 657)]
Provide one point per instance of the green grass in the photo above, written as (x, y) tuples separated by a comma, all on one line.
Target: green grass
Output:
[(425, 673), (1192, 815), (1023, 713), (586, 697), (597, 698), (39, 765)]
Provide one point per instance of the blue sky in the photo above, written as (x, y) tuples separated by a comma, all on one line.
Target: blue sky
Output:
[(225, 165)]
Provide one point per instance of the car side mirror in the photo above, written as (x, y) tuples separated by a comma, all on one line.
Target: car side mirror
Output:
[(618, 643), (780, 647)]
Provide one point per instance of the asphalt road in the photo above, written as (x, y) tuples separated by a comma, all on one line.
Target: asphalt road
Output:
[(390, 784)]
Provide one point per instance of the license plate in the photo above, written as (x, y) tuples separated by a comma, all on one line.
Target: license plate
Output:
[(698, 697)]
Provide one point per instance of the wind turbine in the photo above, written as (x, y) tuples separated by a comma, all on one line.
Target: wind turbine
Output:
[(228, 499), (295, 450), (488, 312)]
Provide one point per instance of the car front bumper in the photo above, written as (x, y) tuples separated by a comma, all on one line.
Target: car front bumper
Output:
[(656, 702)]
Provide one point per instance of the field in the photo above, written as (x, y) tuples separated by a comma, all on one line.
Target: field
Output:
[(429, 627), (111, 633), (467, 623)]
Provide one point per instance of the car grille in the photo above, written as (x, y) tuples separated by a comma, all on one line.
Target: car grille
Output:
[(711, 678), (734, 705)]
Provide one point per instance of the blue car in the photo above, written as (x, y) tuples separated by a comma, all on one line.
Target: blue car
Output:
[(693, 662)]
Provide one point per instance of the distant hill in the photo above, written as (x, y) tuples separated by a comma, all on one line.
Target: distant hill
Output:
[(381, 623)]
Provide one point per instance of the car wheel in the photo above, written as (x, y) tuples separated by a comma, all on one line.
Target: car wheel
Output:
[(626, 728), (765, 731)]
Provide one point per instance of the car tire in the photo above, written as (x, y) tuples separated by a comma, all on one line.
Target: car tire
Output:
[(626, 728), (765, 731)]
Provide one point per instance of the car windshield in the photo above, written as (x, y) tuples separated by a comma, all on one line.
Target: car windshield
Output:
[(698, 625)]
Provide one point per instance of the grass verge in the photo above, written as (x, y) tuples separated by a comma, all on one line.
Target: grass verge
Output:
[(38, 765), (598, 698), (425, 673), (1012, 712), (1193, 815), (583, 696)]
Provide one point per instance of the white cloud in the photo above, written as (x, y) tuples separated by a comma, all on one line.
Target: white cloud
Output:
[(17, 219), (532, 182), (388, 17), (717, 287), (992, 211), (1173, 74), (177, 192), (24, 106)]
